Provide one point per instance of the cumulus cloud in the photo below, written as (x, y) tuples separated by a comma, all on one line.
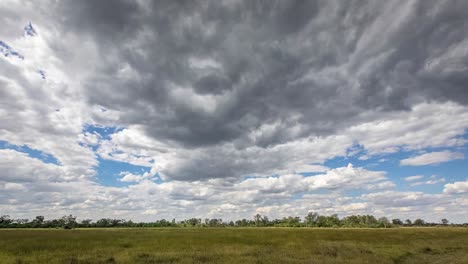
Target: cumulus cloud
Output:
[(326, 193), (229, 100), (247, 99), (131, 177), (456, 187), (267, 90), (432, 158), (17, 167)]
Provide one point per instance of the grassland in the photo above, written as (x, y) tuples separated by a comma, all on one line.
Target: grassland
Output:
[(235, 245)]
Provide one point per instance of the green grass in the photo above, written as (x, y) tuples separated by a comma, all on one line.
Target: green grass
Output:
[(235, 245)]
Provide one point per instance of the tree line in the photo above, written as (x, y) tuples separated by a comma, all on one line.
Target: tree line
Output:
[(310, 220)]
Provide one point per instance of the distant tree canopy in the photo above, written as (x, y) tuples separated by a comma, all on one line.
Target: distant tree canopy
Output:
[(312, 219)]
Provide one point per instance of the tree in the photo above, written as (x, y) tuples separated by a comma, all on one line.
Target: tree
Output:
[(22, 221), (311, 219), (129, 223), (352, 221), (38, 221), (5, 219), (86, 222), (258, 219), (68, 221), (53, 223), (193, 221), (291, 221), (369, 220), (328, 221), (243, 222), (71, 221), (383, 221), (419, 222), (116, 222), (103, 222), (215, 222)]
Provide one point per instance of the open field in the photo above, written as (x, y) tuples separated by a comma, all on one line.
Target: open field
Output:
[(235, 245)]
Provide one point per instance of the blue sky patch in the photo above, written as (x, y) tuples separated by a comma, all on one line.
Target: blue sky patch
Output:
[(33, 153), (29, 30), (8, 51), (103, 131), (108, 172)]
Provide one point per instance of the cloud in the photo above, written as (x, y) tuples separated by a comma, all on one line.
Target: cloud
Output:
[(290, 194), (203, 95), (433, 180), (134, 146), (392, 132), (339, 178), (217, 97), (456, 187), (175, 197), (414, 178), (12, 186), (18, 167), (130, 177), (227, 99), (91, 139), (402, 199), (150, 212), (381, 185), (432, 158)]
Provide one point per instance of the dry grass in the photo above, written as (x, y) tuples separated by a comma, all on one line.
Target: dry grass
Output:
[(235, 245)]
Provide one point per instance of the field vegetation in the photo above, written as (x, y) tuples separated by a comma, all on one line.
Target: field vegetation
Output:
[(235, 245)]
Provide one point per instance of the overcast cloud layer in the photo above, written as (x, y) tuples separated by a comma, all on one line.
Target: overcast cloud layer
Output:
[(231, 106)]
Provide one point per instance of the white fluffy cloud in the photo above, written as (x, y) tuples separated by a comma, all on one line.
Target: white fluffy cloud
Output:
[(290, 194), (411, 130), (131, 177), (18, 167), (456, 187), (44, 114)]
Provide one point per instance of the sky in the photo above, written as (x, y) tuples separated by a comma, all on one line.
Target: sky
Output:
[(146, 110)]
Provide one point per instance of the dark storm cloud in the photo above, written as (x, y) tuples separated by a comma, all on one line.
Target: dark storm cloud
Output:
[(212, 84), (227, 103), (104, 19), (262, 62)]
